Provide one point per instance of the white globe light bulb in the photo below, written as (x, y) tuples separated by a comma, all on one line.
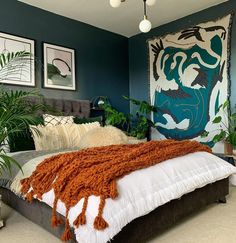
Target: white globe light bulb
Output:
[(145, 25), (115, 3), (150, 2)]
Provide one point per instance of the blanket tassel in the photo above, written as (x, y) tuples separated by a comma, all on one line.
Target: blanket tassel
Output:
[(99, 222), (81, 219), (67, 233), (30, 196), (55, 221)]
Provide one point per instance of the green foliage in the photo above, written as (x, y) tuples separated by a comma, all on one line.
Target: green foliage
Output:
[(217, 119), (205, 134), (143, 106), (219, 137), (232, 138), (114, 117), (137, 126), (16, 113), (227, 130)]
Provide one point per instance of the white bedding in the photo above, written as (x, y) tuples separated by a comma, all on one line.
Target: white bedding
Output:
[(141, 191)]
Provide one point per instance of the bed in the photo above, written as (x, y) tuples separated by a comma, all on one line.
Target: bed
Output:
[(150, 222)]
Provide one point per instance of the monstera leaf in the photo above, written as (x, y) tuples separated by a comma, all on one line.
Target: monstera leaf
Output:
[(217, 119)]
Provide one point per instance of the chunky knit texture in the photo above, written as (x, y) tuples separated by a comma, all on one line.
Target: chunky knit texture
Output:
[(77, 175)]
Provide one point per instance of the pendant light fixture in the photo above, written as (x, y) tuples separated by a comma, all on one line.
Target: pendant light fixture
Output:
[(145, 25)]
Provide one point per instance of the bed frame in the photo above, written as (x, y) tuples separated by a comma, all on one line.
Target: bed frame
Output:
[(139, 230)]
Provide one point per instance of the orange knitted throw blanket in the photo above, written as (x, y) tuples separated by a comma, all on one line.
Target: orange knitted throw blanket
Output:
[(78, 175)]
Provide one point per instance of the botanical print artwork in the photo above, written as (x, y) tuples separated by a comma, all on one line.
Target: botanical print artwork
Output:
[(59, 67), (16, 60), (189, 79)]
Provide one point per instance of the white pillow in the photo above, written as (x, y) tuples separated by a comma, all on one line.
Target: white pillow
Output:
[(60, 136), (50, 120), (103, 136)]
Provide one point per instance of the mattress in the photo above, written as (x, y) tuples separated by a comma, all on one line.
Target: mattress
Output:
[(139, 192)]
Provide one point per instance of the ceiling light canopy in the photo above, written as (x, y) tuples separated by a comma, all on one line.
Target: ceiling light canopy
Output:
[(115, 3), (150, 2), (145, 25)]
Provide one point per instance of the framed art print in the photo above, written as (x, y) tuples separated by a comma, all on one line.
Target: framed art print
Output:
[(17, 64), (59, 67)]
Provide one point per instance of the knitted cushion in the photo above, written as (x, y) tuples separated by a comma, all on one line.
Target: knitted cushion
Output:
[(50, 120), (60, 136)]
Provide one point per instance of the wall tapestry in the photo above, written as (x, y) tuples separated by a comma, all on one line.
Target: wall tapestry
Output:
[(189, 79), (16, 60), (59, 67)]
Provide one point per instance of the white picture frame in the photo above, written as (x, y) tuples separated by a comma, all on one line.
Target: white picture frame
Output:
[(17, 62), (59, 67)]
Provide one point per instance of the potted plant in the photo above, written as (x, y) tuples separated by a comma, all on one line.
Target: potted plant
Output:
[(137, 125), (16, 113), (141, 122), (227, 131)]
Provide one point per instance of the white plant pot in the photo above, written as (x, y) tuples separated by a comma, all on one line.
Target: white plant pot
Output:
[(234, 151), (1, 220)]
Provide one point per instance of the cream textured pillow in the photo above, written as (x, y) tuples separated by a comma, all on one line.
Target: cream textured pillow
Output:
[(134, 140), (61, 136), (103, 136), (50, 120)]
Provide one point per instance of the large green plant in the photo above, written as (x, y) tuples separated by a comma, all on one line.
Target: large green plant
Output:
[(141, 122), (16, 113), (227, 125), (136, 125)]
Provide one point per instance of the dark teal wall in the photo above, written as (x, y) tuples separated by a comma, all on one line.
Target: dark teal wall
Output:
[(138, 52), (106, 63), (101, 56)]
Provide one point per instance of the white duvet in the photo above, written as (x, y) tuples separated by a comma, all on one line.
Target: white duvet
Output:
[(141, 191)]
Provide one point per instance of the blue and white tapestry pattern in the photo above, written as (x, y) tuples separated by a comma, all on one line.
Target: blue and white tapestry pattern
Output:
[(189, 79)]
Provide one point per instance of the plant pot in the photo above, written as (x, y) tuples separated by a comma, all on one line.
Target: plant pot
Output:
[(234, 151), (228, 148), (1, 220)]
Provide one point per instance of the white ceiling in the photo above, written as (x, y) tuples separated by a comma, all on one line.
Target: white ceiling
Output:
[(125, 19)]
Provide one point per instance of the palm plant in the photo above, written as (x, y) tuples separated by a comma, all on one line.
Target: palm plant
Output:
[(16, 113)]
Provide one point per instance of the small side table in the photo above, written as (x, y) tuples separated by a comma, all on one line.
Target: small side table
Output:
[(1, 220), (228, 158)]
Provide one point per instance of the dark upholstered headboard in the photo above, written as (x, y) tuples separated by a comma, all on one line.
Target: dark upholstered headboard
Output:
[(78, 108)]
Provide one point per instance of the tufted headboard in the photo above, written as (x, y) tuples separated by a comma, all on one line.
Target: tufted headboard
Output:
[(78, 108)]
